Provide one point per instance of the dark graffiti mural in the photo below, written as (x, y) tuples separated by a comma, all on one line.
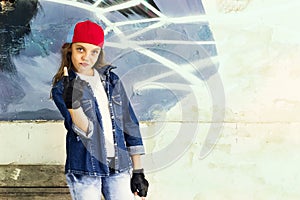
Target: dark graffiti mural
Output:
[(151, 42), (15, 25)]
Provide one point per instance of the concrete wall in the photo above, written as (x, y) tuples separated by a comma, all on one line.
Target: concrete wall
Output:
[(32, 143), (257, 155)]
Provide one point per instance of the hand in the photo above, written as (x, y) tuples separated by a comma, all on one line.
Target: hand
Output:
[(139, 185), (73, 91)]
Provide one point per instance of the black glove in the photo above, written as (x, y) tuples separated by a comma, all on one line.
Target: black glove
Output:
[(138, 183), (73, 91)]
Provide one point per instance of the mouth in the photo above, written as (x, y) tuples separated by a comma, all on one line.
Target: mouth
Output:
[(84, 64)]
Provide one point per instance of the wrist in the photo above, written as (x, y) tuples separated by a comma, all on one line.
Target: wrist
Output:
[(76, 104), (138, 171)]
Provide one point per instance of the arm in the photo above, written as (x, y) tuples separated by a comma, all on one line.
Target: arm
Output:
[(79, 119), (136, 161), (131, 126), (56, 94), (139, 184), (75, 119), (72, 94)]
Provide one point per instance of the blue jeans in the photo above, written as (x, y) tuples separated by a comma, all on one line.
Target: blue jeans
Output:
[(113, 187)]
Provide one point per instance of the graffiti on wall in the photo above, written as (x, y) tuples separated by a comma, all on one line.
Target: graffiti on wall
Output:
[(32, 33), (165, 54)]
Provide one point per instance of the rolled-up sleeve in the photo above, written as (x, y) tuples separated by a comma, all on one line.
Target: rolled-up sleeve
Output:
[(134, 150), (82, 133)]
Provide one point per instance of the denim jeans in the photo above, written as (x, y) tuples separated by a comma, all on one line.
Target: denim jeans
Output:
[(113, 187)]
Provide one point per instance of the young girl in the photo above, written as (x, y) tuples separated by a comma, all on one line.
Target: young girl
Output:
[(103, 138)]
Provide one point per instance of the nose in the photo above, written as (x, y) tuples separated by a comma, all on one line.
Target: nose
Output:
[(85, 56)]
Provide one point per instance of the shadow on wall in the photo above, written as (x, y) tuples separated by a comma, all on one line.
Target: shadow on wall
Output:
[(15, 17)]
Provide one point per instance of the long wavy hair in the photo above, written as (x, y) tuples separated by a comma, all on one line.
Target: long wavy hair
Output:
[(66, 52)]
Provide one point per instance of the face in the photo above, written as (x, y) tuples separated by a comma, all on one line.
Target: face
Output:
[(84, 56)]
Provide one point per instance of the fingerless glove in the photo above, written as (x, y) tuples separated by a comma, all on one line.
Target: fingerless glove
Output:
[(73, 92), (138, 183)]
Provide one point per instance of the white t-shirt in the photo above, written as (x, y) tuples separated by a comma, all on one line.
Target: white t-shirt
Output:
[(101, 96)]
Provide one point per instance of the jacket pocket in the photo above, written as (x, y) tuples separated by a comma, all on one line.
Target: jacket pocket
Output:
[(117, 106), (117, 99)]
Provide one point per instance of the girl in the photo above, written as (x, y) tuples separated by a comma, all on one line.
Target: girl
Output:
[(103, 138)]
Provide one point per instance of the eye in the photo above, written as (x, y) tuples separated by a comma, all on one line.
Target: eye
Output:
[(79, 49), (95, 52)]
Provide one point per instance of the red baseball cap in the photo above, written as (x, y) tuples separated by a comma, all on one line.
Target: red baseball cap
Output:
[(87, 32)]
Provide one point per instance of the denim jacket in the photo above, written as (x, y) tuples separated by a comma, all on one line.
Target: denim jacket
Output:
[(86, 153)]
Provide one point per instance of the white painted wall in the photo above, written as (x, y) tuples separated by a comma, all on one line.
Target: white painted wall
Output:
[(257, 155), (32, 143)]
